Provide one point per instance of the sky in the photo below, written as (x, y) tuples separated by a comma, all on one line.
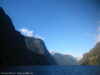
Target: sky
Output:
[(66, 26)]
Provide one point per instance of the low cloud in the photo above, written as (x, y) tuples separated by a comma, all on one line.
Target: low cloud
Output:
[(26, 32), (30, 33), (38, 36)]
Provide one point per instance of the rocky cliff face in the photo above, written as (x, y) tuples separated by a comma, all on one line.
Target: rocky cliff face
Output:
[(13, 49), (64, 59), (92, 57), (38, 47)]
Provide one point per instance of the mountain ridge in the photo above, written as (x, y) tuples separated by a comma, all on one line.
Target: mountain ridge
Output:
[(64, 59), (13, 49)]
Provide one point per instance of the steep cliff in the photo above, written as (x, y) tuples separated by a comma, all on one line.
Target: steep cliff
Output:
[(92, 57), (13, 49), (38, 47)]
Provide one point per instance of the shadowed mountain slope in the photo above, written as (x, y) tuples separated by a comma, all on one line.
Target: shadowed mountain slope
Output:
[(13, 49)]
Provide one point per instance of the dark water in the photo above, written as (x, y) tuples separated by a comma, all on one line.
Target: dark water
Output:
[(51, 70)]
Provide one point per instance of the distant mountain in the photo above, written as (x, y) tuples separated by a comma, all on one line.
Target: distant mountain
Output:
[(18, 50), (92, 57), (63, 59)]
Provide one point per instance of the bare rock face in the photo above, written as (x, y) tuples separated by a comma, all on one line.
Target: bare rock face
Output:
[(38, 47), (13, 49), (92, 57)]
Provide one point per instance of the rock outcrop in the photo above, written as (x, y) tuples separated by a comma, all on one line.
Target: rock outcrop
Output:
[(13, 49)]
